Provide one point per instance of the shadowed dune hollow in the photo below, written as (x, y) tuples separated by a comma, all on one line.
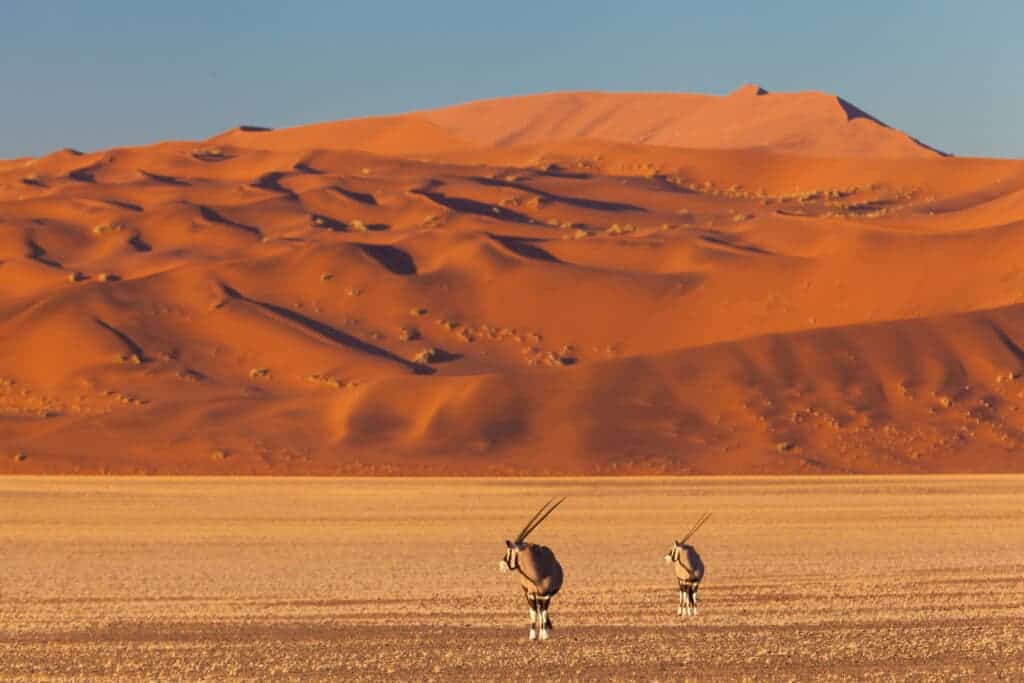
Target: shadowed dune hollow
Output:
[(574, 283)]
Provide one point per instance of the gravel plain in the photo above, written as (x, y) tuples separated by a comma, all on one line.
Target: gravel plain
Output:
[(280, 579)]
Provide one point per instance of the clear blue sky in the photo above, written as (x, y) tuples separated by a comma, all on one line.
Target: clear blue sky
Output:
[(102, 73)]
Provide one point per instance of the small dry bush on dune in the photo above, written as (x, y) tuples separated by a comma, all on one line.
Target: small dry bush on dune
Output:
[(256, 373), (104, 228), (426, 356)]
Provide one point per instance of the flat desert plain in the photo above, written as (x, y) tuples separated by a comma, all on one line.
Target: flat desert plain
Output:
[(854, 578)]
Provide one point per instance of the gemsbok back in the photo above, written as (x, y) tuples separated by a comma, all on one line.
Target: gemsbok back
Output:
[(689, 569), (539, 572)]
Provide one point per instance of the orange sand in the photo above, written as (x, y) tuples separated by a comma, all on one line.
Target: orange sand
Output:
[(570, 283)]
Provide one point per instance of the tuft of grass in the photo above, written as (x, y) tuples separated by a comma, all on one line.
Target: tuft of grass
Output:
[(257, 373), (408, 334), (20, 456), (324, 277), (108, 277), (358, 225), (784, 446), (75, 276), (219, 454), (418, 312)]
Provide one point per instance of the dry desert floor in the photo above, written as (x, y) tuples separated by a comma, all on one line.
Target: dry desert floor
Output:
[(852, 578)]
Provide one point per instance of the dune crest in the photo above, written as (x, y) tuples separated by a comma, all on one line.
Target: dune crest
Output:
[(805, 123)]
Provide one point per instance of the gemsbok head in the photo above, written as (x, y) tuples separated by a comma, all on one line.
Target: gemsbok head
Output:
[(540, 575), (689, 569)]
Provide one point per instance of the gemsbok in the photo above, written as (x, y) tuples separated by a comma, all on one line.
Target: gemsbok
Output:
[(539, 572), (689, 569)]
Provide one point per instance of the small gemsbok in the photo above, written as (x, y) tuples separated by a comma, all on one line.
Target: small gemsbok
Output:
[(539, 572), (689, 569)]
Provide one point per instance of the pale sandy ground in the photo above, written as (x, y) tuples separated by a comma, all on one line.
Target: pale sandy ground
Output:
[(890, 578)]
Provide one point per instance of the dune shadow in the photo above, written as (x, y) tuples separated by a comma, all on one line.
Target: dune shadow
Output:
[(84, 175), (121, 204), (139, 244), (272, 182), (525, 247), (722, 241), (474, 207), (37, 253), (164, 179), (215, 217), (303, 167), (394, 259), (125, 339), (327, 332), (578, 202), (327, 223), (361, 197)]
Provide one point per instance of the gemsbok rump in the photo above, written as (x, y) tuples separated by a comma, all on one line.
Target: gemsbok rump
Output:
[(689, 569), (539, 572)]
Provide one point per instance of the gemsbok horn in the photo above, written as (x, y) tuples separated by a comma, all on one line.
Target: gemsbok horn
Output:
[(689, 569), (539, 572)]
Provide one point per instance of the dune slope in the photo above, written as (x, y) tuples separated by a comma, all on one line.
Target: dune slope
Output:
[(805, 123)]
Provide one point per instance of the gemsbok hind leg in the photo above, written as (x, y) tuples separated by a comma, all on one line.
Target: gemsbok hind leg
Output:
[(531, 600), (542, 613)]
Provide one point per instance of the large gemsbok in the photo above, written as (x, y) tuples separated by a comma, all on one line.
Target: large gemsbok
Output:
[(539, 572), (689, 569)]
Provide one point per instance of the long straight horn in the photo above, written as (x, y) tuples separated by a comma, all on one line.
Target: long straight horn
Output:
[(699, 524), (526, 528), (541, 518)]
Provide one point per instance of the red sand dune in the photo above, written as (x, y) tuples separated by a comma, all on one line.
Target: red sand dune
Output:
[(806, 123), (572, 283)]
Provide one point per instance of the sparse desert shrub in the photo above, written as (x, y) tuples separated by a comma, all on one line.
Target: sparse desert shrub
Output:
[(259, 373), (219, 454), (408, 334), (20, 456), (617, 229), (132, 358), (740, 217), (418, 312), (426, 356), (358, 225), (579, 234), (784, 446), (108, 277), (104, 228), (209, 154), (324, 277), (75, 276), (326, 380)]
